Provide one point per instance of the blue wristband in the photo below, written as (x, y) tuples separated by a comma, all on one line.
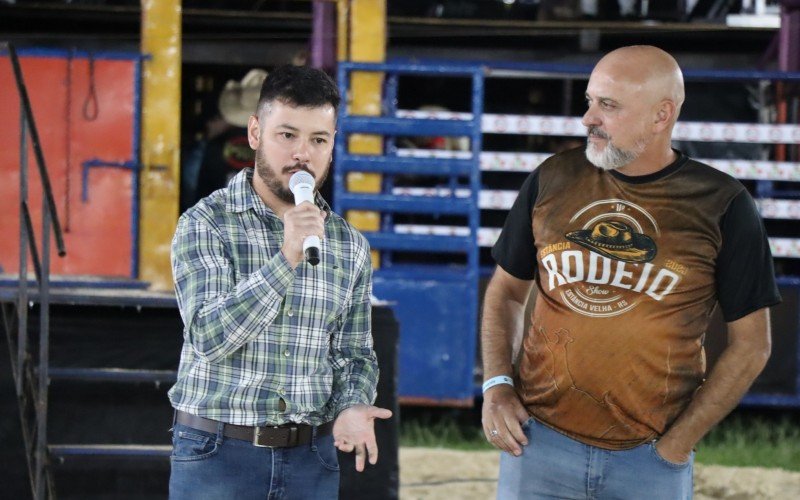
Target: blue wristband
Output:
[(500, 379)]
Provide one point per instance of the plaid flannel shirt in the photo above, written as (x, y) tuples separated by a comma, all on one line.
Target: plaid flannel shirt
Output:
[(257, 331)]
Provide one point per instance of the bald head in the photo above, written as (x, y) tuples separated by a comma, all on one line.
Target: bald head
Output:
[(634, 96), (648, 70)]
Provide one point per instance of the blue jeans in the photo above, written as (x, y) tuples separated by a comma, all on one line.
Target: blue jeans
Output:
[(206, 466), (553, 465)]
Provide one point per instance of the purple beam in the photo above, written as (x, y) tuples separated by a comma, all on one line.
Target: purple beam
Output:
[(789, 48), (323, 36)]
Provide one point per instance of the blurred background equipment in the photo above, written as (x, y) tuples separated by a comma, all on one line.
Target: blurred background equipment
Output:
[(218, 151)]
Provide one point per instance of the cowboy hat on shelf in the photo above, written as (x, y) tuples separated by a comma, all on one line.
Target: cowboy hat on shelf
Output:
[(239, 99)]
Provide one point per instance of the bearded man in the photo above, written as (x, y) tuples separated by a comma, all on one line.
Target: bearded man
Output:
[(277, 368), (630, 245)]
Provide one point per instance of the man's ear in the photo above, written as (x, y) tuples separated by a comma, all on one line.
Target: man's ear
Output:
[(665, 115), (253, 132)]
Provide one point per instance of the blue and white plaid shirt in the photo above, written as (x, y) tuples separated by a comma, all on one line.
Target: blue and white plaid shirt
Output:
[(257, 331)]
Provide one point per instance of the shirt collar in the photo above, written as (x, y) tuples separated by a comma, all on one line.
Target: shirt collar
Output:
[(680, 160)]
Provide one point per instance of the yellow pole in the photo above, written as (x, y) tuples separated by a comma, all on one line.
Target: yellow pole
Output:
[(342, 30), (160, 153), (366, 43)]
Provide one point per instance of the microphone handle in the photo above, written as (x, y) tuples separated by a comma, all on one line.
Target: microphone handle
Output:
[(311, 249)]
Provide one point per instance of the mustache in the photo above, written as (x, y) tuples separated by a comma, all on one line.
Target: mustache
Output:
[(299, 166), (595, 130)]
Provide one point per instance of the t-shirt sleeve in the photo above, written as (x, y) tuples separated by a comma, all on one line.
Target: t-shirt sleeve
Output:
[(515, 251), (744, 275)]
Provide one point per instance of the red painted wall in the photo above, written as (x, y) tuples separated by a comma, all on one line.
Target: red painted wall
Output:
[(97, 232)]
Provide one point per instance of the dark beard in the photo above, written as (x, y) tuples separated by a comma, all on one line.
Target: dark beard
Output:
[(267, 174), (270, 179)]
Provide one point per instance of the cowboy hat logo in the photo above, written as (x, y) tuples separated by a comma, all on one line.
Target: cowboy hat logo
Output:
[(616, 240)]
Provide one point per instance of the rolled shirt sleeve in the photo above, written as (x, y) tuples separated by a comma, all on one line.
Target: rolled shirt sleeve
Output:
[(354, 362)]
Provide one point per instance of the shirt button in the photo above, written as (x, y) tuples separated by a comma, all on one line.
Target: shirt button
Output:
[(290, 312), (281, 391), (286, 353)]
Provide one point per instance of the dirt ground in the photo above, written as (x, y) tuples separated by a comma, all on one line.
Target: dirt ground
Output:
[(437, 474)]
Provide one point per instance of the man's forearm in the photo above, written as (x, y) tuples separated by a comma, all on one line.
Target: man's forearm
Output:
[(732, 376), (501, 330)]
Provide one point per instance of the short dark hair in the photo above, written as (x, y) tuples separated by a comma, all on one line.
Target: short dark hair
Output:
[(302, 86)]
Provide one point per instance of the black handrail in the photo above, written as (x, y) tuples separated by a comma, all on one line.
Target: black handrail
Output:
[(37, 149), (37, 266)]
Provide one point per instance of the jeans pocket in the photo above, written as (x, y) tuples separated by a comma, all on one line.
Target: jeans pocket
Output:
[(664, 461), (190, 444), (527, 424), (322, 447)]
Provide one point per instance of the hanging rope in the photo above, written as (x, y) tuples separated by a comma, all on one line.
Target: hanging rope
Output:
[(68, 143), (90, 106)]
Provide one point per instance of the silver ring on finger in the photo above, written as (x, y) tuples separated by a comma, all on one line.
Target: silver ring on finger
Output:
[(494, 433)]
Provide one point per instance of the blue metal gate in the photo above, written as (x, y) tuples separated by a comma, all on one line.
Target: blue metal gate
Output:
[(435, 298)]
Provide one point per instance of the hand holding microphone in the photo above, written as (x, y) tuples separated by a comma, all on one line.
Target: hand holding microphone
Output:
[(306, 219)]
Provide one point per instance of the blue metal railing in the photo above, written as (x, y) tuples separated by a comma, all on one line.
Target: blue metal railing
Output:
[(390, 164), (453, 272)]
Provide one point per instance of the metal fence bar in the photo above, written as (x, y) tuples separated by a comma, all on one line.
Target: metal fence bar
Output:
[(22, 289), (31, 239), (44, 357)]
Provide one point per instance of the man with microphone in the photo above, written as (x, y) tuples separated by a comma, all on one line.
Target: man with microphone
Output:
[(277, 368)]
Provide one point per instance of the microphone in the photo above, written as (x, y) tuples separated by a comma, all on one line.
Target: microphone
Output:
[(301, 184)]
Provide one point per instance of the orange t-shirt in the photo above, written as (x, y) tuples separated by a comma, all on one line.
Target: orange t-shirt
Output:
[(628, 271)]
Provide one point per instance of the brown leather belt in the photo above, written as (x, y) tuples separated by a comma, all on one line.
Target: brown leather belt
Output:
[(280, 436)]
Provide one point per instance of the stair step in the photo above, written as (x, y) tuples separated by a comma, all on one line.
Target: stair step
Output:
[(112, 374), (144, 451), (79, 281)]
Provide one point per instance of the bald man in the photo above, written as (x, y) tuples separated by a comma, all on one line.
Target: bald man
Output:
[(630, 245)]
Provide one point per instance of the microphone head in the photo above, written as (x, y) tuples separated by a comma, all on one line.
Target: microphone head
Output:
[(300, 177)]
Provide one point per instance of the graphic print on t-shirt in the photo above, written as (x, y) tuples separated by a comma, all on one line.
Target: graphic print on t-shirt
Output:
[(605, 267)]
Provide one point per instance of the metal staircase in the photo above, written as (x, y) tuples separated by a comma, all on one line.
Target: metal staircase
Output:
[(29, 337), (31, 379)]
